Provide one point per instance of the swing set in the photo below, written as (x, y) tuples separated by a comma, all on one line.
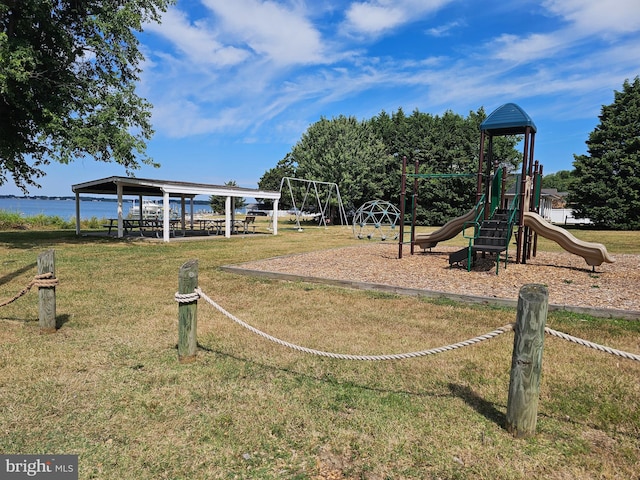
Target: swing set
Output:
[(317, 195)]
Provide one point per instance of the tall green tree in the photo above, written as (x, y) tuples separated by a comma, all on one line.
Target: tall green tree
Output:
[(365, 159), (607, 180), (443, 144), (68, 70), (347, 152)]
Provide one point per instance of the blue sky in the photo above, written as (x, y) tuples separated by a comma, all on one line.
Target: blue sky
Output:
[(234, 84)]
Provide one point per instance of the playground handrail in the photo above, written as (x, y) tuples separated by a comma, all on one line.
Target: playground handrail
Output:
[(476, 227)]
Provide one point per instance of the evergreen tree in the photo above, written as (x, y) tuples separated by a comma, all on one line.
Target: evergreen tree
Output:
[(218, 203), (365, 159), (607, 180), (272, 179), (347, 152)]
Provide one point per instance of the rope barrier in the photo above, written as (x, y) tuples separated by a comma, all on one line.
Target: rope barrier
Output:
[(42, 280), (595, 346), (198, 293), (188, 298)]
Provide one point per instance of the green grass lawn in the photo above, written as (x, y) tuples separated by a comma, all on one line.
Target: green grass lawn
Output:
[(108, 385)]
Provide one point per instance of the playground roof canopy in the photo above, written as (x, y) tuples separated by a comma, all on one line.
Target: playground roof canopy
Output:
[(509, 119)]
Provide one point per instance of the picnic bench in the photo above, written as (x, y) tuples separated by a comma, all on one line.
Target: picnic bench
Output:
[(249, 222), (131, 224)]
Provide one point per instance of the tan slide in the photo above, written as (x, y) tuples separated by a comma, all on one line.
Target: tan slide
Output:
[(449, 230), (593, 253)]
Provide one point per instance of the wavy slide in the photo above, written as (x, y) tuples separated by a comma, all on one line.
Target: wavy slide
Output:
[(593, 253), (449, 230)]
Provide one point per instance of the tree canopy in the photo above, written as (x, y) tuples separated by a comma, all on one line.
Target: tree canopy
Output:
[(561, 180), (68, 70), (364, 158), (606, 186)]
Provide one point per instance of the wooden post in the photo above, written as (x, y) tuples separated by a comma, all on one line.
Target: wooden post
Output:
[(47, 295), (526, 362), (187, 313)]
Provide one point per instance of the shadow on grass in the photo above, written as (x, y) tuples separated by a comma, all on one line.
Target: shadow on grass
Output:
[(10, 276), (61, 320), (327, 378), (483, 407), (46, 238)]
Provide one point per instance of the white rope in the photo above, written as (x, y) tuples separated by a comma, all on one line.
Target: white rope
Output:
[(343, 356), (198, 293), (595, 346), (186, 297)]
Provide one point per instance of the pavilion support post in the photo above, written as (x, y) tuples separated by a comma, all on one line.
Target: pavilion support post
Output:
[(228, 217), (274, 221), (166, 225), (120, 215), (47, 295), (77, 213), (187, 313), (526, 361)]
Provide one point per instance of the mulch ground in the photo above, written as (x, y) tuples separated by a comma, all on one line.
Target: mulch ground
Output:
[(571, 282)]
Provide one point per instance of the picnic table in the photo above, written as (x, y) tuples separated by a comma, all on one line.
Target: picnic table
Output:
[(142, 225), (211, 226)]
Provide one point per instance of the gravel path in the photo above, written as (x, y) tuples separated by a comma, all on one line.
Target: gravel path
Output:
[(570, 280)]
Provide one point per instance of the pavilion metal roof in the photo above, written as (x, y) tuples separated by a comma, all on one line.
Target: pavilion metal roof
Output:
[(509, 119), (157, 188)]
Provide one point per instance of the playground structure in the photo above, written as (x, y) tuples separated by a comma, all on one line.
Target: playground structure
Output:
[(376, 219), (321, 192), (490, 224)]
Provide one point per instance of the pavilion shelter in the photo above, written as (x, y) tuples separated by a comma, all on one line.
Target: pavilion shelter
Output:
[(166, 189)]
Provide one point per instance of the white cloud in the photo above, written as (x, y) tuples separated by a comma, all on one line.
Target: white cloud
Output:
[(284, 35), (532, 47), (261, 94), (596, 16), (373, 19), (585, 21), (180, 118), (195, 41), (377, 16), (443, 30)]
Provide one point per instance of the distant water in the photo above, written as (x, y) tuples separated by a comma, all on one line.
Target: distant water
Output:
[(66, 209)]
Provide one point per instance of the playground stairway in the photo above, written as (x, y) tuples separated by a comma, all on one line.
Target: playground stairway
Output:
[(493, 236)]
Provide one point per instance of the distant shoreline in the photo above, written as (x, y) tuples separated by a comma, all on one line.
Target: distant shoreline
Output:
[(82, 199)]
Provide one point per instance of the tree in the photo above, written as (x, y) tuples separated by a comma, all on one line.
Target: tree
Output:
[(446, 144), (607, 180), (272, 179), (68, 70), (561, 180), (365, 159), (218, 203), (346, 152)]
